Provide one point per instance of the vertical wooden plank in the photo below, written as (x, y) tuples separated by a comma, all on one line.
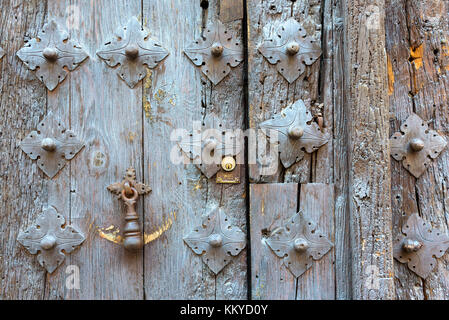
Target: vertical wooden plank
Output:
[(175, 95), (420, 64), (403, 193), (317, 202), (107, 115), (270, 205), (23, 190), (343, 259), (369, 155)]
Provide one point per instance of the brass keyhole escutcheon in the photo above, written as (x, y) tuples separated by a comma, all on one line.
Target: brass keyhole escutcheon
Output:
[(228, 163)]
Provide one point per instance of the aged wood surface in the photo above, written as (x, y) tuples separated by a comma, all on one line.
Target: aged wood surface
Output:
[(369, 157), (270, 204), (176, 95), (22, 185), (417, 35)]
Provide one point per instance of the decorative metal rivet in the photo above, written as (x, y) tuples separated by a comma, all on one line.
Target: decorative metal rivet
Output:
[(216, 240), (50, 54), (51, 144), (419, 245), (206, 146), (50, 240), (291, 50), (297, 242), (128, 190), (215, 52), (228, 163), (416, 145), (294, 129), (132, 48)]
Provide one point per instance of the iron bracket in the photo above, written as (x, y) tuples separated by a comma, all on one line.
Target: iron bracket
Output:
[(216, 240), (51, 144), (416, 145), (215, 52), (295, 131), (297, 242), (132, 48), (291, 50), (50, 53), (50, 239), (419, 246)]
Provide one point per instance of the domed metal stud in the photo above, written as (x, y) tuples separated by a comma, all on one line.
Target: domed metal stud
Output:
[(292, 48), (416, 144), (48, 144), (295, 132), (216, 240), (132, 52), (410, 245), (51, 54), (48, 242), (216, 50), (300, 245)]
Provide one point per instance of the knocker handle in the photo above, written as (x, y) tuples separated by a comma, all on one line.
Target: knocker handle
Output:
[(131, 233)]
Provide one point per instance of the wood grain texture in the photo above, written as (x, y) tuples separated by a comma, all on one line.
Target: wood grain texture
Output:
[(23, 188), (368, 154), (417, 48), (270, 205), (316, 200), (174, 96), (106, 114)]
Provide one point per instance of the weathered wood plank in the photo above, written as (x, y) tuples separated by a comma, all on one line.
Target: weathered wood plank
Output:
[(174, 96), (316, 200), (107, 115), (270, 205), (369, 157), (419, 57), (23, 190)]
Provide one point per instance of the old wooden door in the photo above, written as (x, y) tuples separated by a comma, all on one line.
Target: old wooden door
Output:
[(381, 60)]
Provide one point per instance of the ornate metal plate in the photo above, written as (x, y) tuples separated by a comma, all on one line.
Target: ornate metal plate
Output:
[(419, 245), (296, 132), (291, 50), (2, 53), (50, 53), (51, 145), (206, 145), (416, 145), (50, 239), (216, 240), (216, 51), (297, 242), (132, 48), (128, 182)]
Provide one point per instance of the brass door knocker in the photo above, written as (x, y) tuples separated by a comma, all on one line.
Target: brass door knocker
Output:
[(129, 190)]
